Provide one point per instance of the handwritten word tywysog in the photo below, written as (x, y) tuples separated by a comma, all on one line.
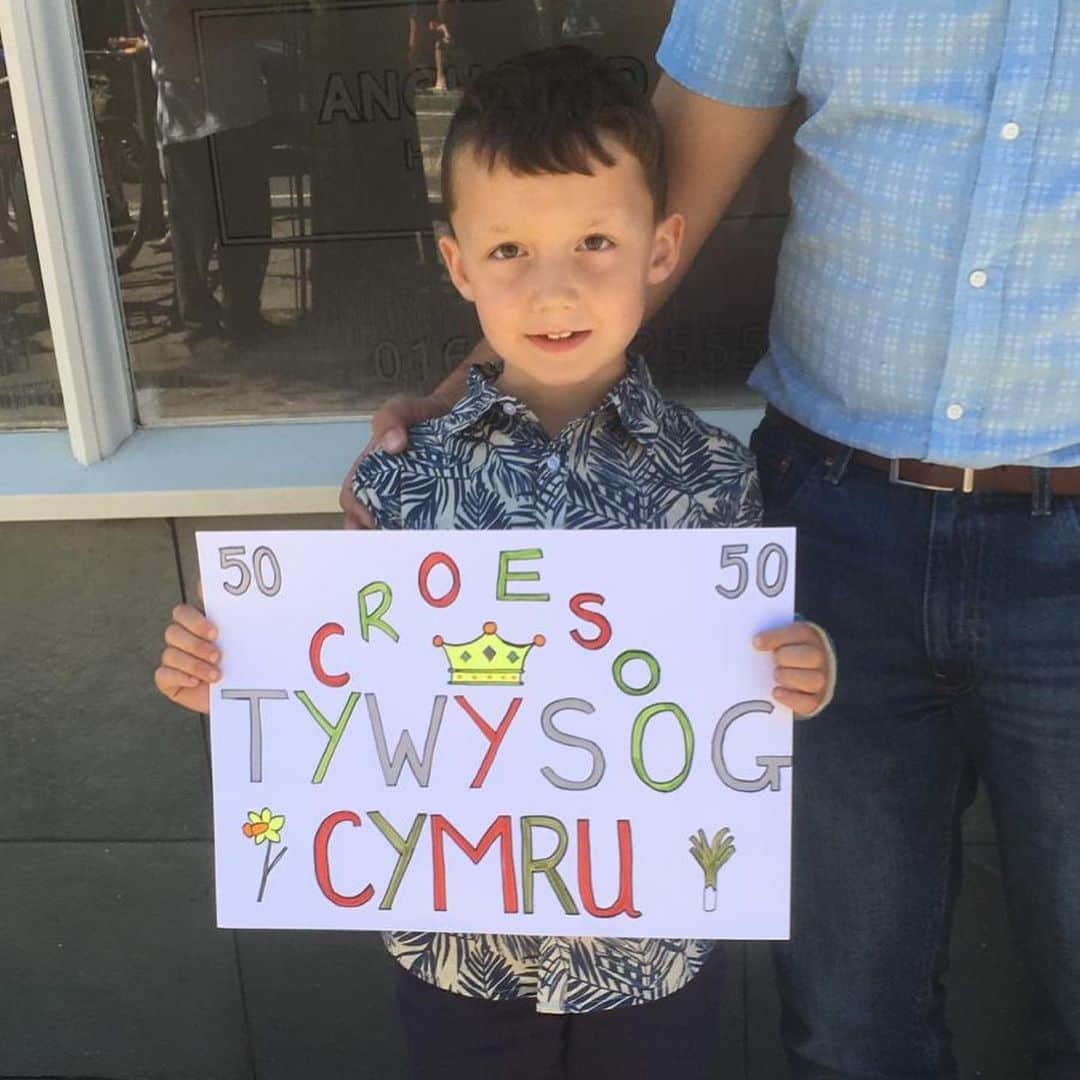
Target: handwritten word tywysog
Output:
[(420, 764)]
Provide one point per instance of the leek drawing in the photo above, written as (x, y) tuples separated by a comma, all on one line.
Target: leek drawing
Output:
[(711, 857)]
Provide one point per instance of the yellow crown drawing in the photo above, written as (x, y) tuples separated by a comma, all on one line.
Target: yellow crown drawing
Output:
[(487, 659)]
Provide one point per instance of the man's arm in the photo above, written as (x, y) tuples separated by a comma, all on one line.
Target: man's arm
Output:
[(710, 148), (391, 423)]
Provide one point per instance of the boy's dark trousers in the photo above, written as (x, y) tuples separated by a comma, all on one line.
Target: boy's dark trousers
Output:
[(452, 1037)]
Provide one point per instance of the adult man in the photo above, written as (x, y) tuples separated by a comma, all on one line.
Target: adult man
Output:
[(926, 332)]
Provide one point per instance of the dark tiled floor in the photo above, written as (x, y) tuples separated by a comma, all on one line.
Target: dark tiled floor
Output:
[(109, 962), (112, 967), (986, 1010), (91, 750)]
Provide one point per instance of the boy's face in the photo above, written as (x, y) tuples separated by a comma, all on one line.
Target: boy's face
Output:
[(558, 265)]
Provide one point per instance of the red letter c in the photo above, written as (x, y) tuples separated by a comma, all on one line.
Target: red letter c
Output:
[(315, 654), (322, 861)]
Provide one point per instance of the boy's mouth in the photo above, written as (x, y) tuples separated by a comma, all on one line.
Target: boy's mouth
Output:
[(559, 340)]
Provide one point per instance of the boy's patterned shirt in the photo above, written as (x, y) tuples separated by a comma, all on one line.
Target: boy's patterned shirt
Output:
[(635, 461)]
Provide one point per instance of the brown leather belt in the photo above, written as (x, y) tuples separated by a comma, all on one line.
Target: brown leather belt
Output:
[(1006, 479)]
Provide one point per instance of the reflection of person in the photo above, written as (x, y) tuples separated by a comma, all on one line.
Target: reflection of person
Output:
[(926, 312), (579, 24), (135, 47), (430, 39), (211, 106), (555, 240), (152, 209)]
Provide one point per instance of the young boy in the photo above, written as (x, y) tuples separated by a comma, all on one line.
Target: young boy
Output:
[(553, 182)]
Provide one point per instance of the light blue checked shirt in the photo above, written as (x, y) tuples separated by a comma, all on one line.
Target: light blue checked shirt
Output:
[(928, 293)]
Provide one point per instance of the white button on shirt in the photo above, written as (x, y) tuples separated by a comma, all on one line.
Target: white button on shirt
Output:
[(977, 279), (1010, 131), (954, 411), (552, 462)]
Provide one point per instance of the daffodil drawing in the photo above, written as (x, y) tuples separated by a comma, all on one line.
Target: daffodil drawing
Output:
[(711, 857), (264, 827)]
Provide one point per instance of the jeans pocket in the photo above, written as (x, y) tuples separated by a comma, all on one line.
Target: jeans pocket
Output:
[(785, 469)]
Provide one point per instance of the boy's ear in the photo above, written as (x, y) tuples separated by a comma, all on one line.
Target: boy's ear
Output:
[(451, 253), (667, 243)]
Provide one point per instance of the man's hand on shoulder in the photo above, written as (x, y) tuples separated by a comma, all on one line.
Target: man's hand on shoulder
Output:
[(390, 427), (389, 432)]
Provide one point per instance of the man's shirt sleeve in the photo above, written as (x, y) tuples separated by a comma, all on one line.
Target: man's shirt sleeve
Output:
[(734, 51), (377, 486)]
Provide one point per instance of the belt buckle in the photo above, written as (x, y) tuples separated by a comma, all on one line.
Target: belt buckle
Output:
[(967, 483)]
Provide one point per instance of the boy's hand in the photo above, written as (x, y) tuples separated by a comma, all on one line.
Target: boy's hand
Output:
[(805, 666), (189, 661)]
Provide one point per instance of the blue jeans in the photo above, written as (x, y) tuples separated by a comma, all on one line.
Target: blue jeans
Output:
[(956, 620)]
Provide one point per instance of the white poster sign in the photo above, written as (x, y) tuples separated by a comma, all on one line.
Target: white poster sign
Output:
[(524, 732)]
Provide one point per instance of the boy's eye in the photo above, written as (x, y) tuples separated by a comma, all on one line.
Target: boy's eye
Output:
[(597, 242), (506, 251)]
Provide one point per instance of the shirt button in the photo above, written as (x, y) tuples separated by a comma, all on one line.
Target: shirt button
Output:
[(509, 408), (977, 279), (551, 463), (1010, 131), (954, 411)]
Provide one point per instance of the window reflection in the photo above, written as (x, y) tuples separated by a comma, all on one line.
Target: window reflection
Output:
[(271, 177), (29, 387)]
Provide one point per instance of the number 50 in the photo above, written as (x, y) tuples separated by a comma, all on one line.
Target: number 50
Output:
[(770, 573), (232, 557)]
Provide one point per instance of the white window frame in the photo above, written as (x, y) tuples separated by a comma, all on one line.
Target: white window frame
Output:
[(105, 465), (43, 52)]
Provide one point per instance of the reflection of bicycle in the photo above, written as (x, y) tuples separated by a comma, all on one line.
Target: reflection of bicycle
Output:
[(9, 200), (129, 170), (130, 178), (16, 233)]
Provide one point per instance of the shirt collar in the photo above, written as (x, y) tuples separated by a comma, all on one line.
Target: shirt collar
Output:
[(634, 399)]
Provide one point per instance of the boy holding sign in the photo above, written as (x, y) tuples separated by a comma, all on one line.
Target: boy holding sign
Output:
[(552, 179)]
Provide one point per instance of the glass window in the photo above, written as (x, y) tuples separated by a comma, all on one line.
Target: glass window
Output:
[(29, 386), (270, 173)]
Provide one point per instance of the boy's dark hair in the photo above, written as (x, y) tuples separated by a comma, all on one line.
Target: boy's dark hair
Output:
[(544, 112)]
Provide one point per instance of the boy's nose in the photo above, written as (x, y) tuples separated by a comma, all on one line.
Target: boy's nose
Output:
[(555, 291)]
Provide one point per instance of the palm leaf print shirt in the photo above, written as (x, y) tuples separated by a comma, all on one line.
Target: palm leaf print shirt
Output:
[(635, 461)]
